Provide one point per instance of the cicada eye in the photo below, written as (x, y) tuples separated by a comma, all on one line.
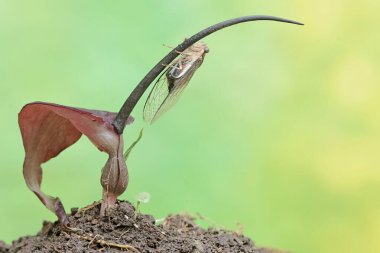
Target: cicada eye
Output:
[(206, 50)]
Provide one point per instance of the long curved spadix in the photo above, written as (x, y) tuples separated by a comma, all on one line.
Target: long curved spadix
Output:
[(139, 90)]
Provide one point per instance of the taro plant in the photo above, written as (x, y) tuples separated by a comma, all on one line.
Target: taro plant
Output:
[(47, 129)]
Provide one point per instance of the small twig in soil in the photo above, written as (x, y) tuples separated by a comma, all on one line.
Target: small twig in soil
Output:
[(91, 241), (121, 235), (106, 243), (86, 208), (70, 229)]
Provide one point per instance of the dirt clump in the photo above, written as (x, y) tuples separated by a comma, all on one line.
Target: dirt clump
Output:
[(123, 229)]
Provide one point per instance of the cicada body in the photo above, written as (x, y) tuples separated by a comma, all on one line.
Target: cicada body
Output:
[(173, 81)]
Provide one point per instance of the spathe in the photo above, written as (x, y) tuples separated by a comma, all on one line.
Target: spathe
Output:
[(47, 129)]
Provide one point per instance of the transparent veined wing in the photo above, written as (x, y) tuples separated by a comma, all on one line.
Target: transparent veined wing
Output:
[(156, 97), (161, 98)]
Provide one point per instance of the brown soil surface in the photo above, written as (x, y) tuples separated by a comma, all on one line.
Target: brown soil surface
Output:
[(125, 230)]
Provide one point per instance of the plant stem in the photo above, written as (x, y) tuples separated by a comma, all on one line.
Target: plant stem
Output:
[(108, 201), (139, 90)]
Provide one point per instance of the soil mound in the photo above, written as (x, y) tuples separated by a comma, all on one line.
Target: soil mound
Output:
[(126, 230)]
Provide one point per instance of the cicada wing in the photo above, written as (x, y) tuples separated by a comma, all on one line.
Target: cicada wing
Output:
[(156, 97), (172, 98), (169, 102), (161, 98)]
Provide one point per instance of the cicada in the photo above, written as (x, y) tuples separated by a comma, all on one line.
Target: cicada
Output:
[(172, 82)]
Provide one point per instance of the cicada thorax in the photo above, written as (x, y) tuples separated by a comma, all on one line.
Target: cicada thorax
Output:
[(185, 66), (183, 69)]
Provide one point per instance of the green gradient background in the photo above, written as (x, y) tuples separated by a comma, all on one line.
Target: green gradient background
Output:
[(278, 130)]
